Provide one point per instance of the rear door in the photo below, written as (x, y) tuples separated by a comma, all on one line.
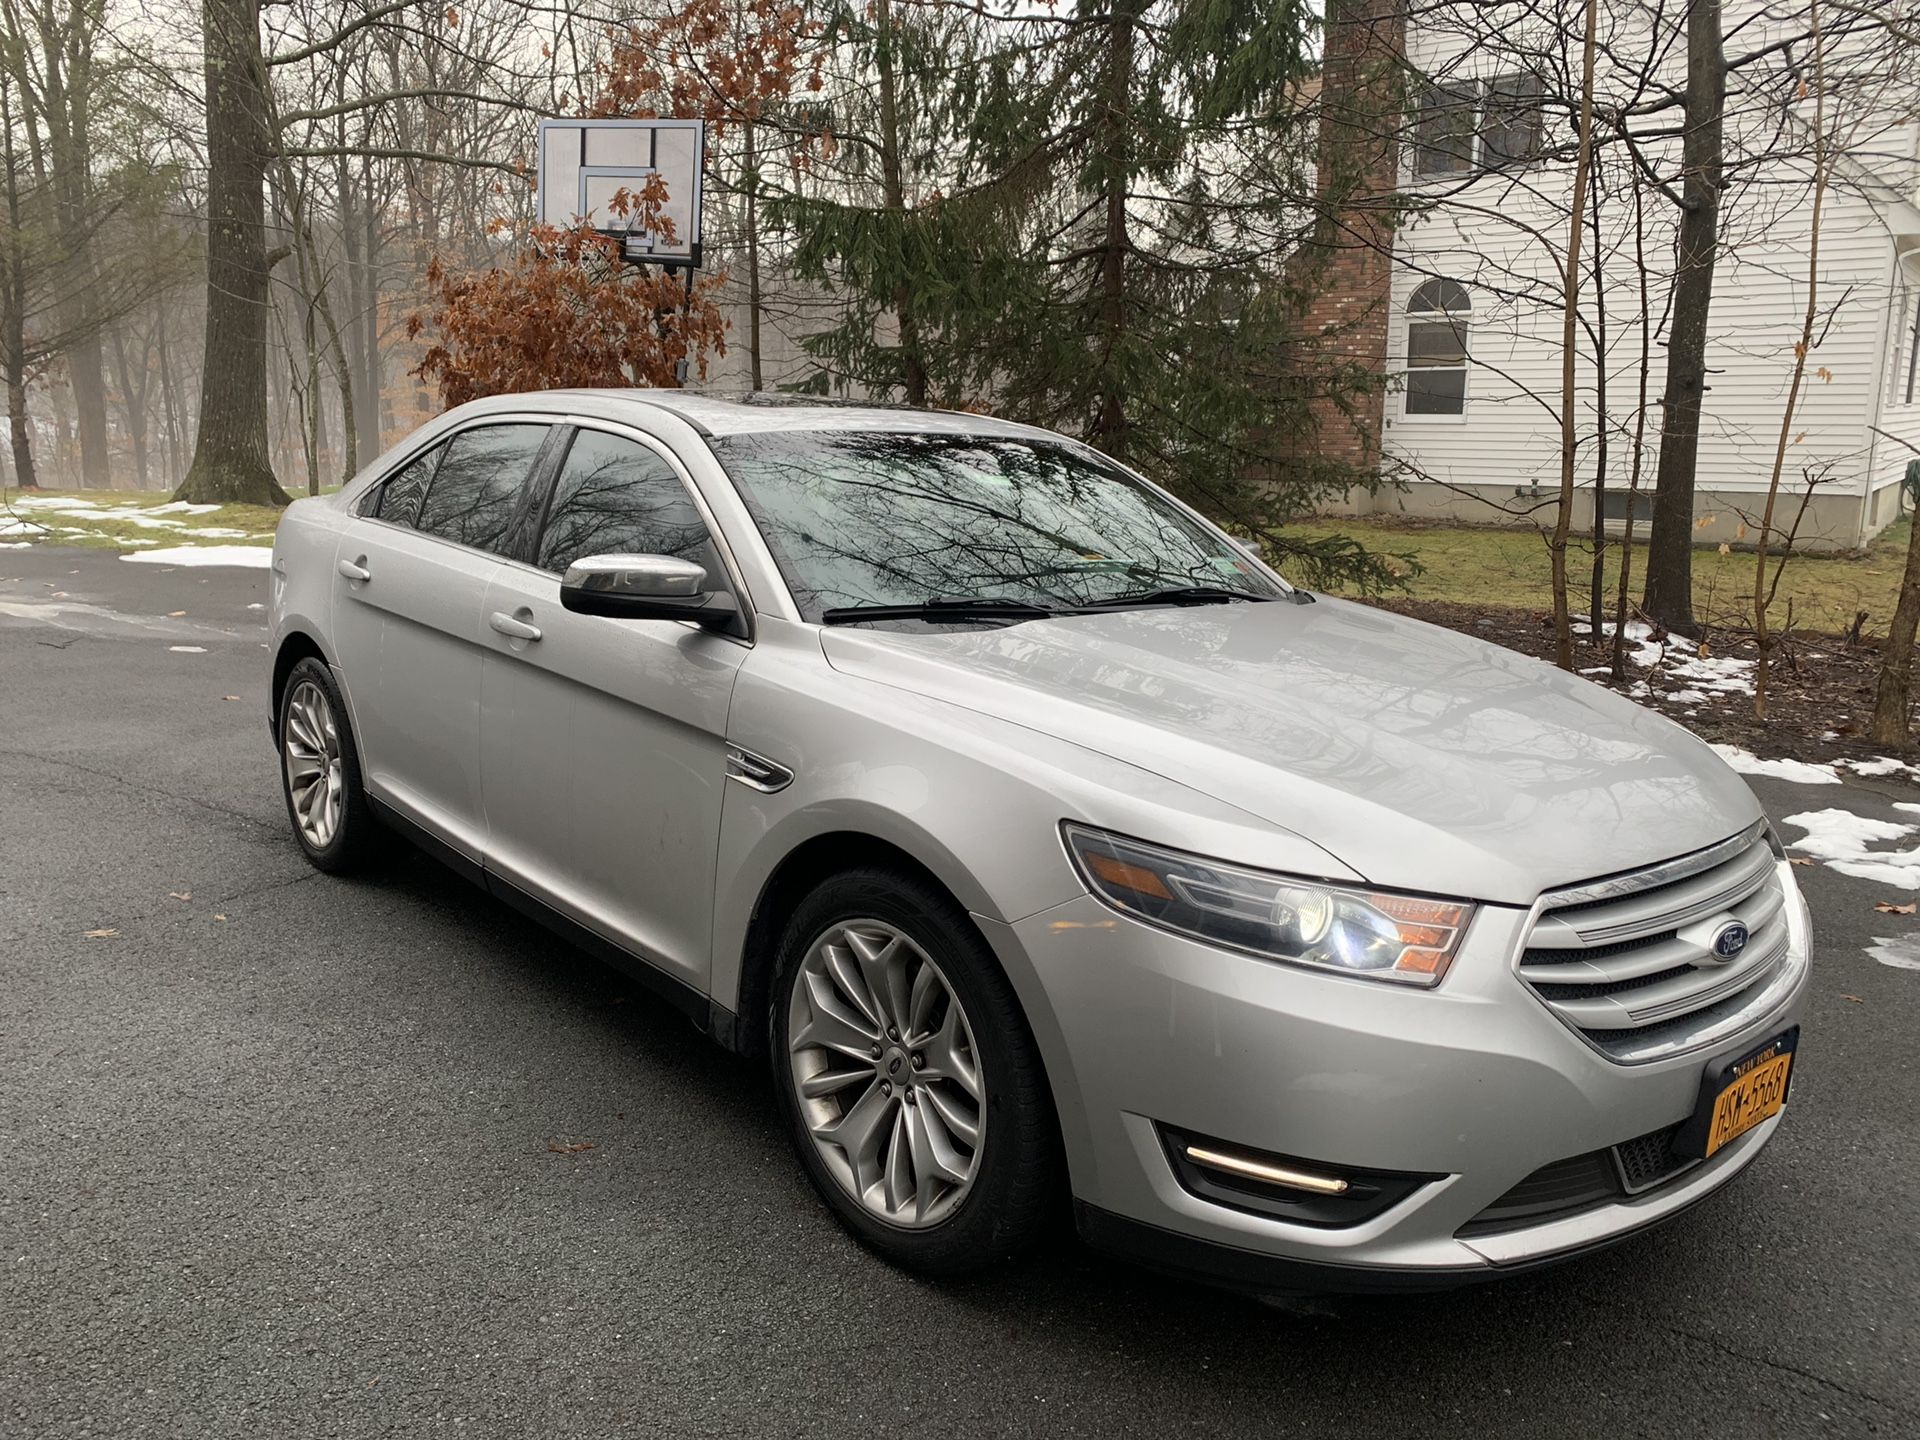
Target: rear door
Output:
[(603, 741), (411, 577)]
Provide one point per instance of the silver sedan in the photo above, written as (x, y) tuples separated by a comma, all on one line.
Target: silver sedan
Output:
[(1050, 845)]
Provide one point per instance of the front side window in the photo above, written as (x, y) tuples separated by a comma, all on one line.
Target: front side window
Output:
[(617, 497), (476, 490), (1437, 352), (893, 518)]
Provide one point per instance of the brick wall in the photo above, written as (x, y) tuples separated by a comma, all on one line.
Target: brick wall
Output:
[(1348, 267)]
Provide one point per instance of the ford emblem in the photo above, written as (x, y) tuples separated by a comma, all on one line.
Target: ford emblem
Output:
[(1729, 940)]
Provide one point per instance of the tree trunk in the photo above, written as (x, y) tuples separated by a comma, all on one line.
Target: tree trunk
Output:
[(66, 79), (13, 305), (230, 453), (1569, 351), (18, 431), (755, 373), (133, 403), (1597, 587), (170, 406), (913, 368), (1891, 695), (1669, 597), (1618, 661), (1762, 591), (1110, 419)]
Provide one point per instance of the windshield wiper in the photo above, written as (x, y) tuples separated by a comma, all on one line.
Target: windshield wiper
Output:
[(956, 608), (1180, 595)]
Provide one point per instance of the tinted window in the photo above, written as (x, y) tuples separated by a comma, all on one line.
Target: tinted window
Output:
[(615, 497), (476, 490), (398, 499), (882, 518)]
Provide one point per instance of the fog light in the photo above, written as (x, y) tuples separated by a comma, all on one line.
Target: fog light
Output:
[(1251, 1169), (1294, 1188)]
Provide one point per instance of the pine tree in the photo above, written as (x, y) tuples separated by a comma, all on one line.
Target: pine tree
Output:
[(1086, 221)]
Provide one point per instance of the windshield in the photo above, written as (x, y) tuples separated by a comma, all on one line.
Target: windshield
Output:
[(857, 518)]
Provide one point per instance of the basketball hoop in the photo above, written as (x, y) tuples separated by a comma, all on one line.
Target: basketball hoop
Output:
[(585, 164)]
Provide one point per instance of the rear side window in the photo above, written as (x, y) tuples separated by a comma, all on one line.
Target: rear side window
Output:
[(476, 489), (398, 500), (616, 497)]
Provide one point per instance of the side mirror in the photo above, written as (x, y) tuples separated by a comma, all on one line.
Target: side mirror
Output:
[(647, 587)]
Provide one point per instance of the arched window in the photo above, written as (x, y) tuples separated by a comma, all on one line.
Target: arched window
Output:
[(1438, 316)]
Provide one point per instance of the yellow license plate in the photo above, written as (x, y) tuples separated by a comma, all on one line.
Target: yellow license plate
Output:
[(1755, 1093)]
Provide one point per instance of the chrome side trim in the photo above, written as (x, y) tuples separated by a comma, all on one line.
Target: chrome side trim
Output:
[(756, 772)]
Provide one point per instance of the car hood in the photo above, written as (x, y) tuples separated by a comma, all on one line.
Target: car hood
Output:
[(1418, 757)]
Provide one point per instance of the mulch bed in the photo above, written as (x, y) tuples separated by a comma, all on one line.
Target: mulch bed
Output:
[(1819, 700)]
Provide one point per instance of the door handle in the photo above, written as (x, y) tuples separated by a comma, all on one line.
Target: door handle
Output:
[(515, 629), (354, 569)]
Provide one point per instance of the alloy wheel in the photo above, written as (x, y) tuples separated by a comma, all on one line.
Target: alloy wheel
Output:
[(310, 749), (886, 1073)]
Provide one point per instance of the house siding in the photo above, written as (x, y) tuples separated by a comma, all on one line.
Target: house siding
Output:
[(1500, 236)]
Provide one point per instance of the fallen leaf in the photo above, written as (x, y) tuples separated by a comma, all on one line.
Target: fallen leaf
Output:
[(1854, 998), (570, 1147), (1799, 860), (175, 614), (107, 934), (219, 917), (1884, 908), (229, 697), (179, 894)]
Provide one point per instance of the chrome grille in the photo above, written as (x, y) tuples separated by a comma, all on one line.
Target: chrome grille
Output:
[(1629, 962)]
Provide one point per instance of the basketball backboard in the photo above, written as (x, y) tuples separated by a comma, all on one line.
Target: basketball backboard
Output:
[(583, 164)]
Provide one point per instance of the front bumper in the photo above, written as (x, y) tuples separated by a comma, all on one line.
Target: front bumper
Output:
[(1474, 1084)]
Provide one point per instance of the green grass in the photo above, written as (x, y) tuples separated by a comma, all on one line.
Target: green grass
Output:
[(1474, 565), (34, 516)]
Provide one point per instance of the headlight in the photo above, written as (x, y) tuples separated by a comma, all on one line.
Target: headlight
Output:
[(1408, 939)]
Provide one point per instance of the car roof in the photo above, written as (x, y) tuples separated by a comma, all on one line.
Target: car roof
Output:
[(765, 411)]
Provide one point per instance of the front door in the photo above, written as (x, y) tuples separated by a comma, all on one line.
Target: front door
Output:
[(410, 580), (603, 741)]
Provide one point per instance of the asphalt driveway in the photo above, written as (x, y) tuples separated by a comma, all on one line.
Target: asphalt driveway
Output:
[(283, 1153)]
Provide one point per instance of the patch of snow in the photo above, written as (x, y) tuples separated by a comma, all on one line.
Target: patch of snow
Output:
[(22, 527), (1841, 838), (1800, 772), (258, 557), (1879, 765), (1902, 952), (256, 605), (53, 502), (188, 649), (1680, 658), (15, 544), (219, 532), (1687, 697), (181, 507)]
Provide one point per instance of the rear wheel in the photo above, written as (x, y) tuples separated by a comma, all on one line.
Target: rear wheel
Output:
[(910, 1080), (320, 771)]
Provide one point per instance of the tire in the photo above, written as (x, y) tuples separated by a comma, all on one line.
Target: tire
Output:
[(882, 1126), (320, 773)]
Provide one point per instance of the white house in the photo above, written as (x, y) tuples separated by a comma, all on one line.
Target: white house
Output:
[(1470, 428)]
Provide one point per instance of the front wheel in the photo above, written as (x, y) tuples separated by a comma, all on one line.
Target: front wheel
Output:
[(911, 1082), (320, 772)]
